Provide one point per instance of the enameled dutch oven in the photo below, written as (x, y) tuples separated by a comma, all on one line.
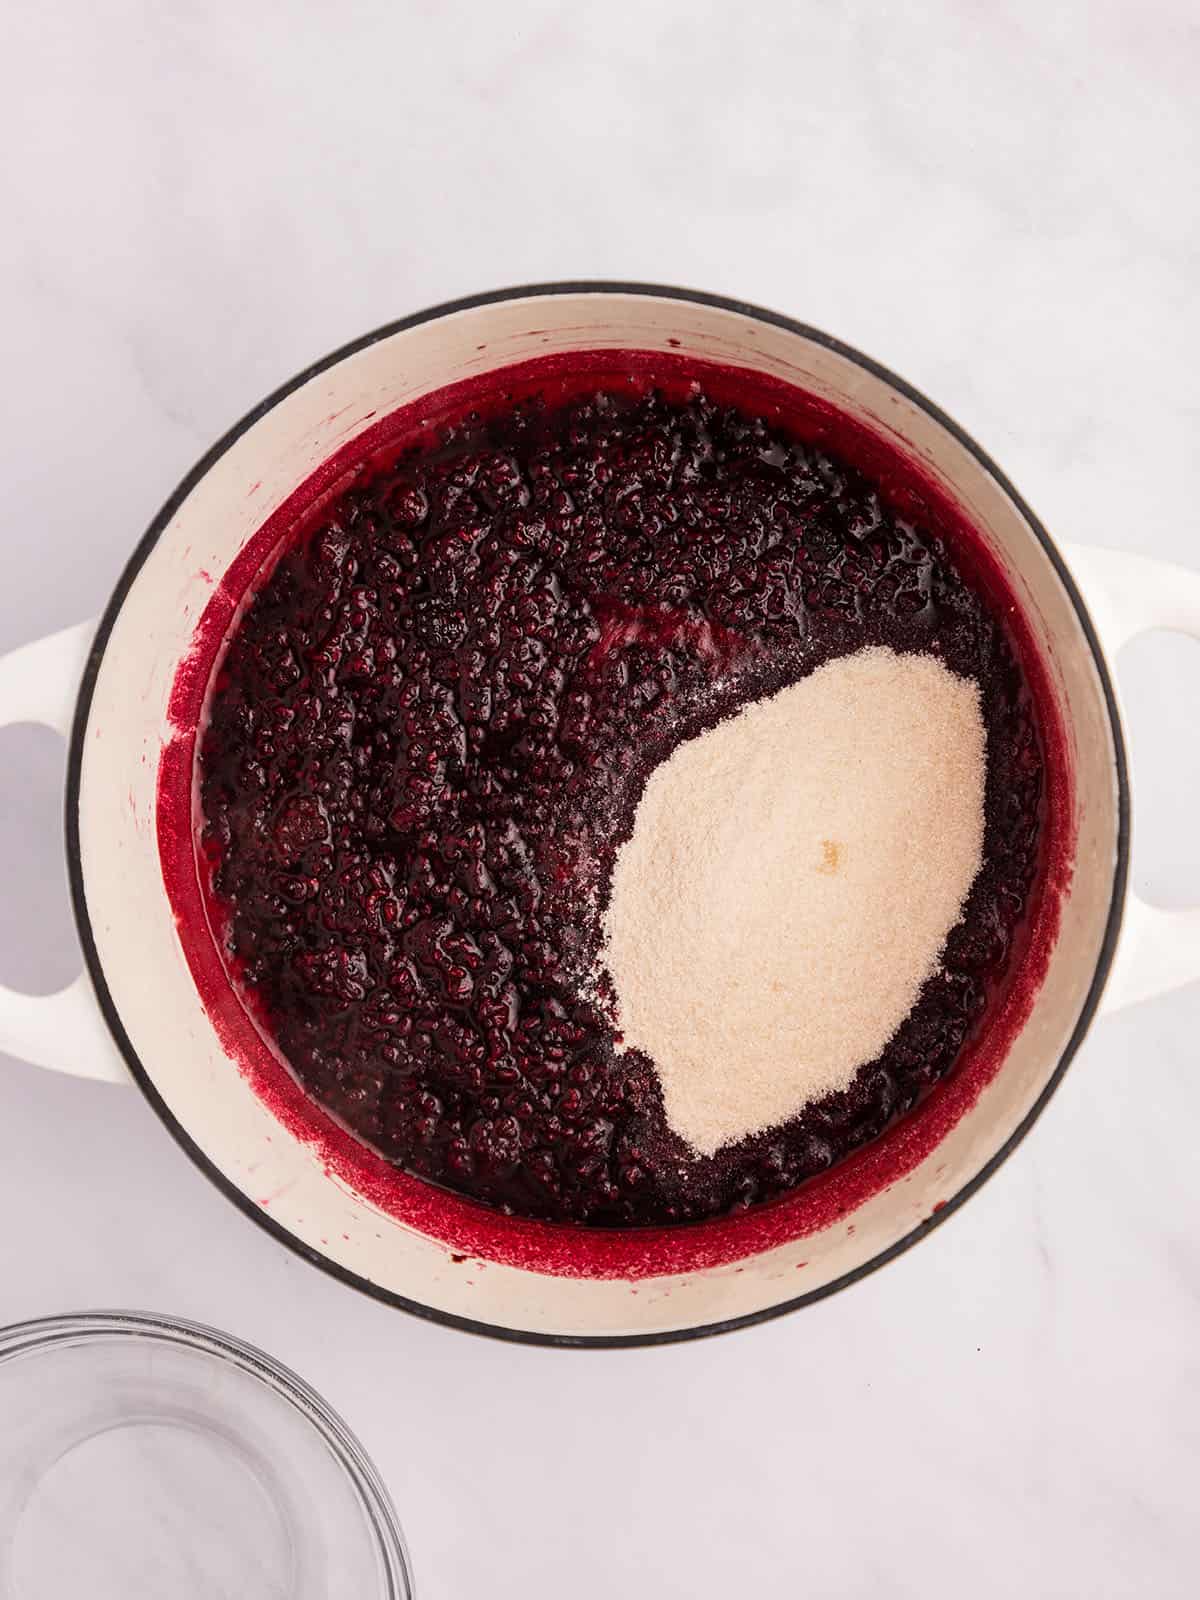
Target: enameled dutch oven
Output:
[(153, 1003)]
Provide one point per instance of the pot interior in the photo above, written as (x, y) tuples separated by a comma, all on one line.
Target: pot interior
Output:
[(216, 1081)]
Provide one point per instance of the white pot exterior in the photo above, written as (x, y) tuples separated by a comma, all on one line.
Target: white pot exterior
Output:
[(136, 954)]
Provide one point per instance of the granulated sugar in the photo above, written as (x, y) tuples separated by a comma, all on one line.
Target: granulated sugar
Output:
[(789, 885)]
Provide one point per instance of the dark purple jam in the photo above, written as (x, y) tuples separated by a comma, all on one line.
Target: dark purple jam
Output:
[(429, 735)]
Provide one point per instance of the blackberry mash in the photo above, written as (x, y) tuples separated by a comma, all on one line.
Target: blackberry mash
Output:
[(428, 736)]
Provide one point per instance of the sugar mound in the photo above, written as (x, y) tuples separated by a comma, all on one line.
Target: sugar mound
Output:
[(788, 887)]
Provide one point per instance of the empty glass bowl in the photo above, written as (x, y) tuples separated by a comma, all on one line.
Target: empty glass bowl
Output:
[(144, 1456)]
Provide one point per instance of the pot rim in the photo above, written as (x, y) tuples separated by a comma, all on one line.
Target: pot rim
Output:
[(78, 893)]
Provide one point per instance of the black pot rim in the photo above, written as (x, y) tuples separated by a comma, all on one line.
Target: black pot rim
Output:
[(79, 897)]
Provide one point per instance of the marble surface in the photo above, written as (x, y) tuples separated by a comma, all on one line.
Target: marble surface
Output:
[(999, 202)]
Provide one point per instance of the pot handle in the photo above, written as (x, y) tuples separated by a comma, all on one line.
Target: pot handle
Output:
[(39, 683), (1128, 595)]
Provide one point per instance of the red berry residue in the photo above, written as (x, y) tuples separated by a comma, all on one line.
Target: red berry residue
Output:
[(460, 670)]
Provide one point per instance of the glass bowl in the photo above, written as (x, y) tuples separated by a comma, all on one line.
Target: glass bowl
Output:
[(144, 1455)]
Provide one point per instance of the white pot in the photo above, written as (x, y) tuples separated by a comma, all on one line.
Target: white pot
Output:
[(406, 1242)]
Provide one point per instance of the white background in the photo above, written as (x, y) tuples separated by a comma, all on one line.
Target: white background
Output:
[(999, 202)]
